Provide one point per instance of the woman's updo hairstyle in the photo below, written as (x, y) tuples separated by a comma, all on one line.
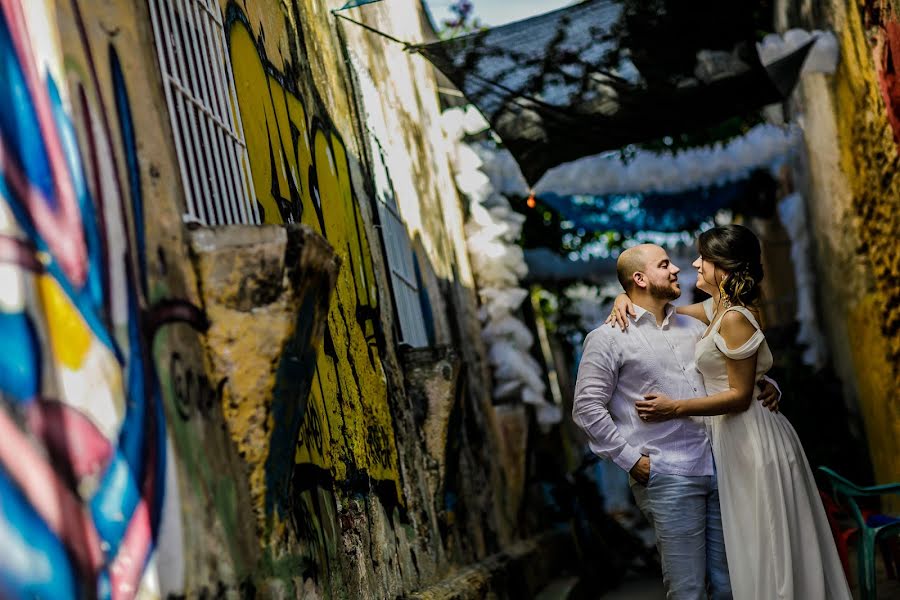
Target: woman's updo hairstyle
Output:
[(735, 249)]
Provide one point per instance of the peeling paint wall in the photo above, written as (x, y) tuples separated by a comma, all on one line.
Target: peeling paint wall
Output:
[(854, 205), (301, 173), (238, 415)]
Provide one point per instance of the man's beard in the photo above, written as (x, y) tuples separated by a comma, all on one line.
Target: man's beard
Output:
[(663, 292)]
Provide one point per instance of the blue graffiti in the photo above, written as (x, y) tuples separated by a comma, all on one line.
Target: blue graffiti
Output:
[(136, 471)]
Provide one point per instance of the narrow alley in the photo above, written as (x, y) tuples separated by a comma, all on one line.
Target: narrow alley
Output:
[(449, 299)]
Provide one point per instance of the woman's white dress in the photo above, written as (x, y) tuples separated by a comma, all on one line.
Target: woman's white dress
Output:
[(777, 537)]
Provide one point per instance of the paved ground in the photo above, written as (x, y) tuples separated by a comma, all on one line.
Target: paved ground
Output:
[(637, 589), (886, 589)]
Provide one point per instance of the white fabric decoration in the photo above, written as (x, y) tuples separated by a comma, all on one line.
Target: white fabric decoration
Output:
[(822, 58), (591, 304), (792, 212), (764, 146), (499, 266)]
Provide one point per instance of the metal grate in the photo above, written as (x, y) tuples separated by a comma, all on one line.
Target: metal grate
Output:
[(400, 257), (399, 254), (203, 110)]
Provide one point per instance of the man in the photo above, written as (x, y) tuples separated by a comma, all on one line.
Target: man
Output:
[(673, 476)]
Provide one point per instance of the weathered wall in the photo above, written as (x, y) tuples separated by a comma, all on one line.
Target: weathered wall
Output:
[(90, 489), (188, 410), (854, 205)]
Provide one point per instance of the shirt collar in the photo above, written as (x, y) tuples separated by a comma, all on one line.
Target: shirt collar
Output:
[(642, 312)]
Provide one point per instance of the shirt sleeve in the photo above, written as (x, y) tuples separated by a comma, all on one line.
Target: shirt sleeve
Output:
[(598, 375)]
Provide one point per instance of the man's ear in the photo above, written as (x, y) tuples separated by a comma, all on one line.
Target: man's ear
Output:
[(639, 279)]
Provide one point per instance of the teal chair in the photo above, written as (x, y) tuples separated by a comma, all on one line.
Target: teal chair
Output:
[(873, 529)]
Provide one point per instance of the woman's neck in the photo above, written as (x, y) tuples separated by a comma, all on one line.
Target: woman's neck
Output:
[(719, 306)]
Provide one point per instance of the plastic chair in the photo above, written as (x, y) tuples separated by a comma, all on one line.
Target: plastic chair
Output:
[(842, 535), (872, 528)]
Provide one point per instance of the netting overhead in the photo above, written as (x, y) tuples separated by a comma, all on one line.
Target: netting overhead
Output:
[(606, 73)]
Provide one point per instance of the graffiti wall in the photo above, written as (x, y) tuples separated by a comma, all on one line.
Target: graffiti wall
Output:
[(85, 471), (198, 411), (854, 189), (301, 174)]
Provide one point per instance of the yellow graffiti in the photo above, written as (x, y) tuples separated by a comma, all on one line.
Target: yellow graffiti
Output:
[(70, 337), (300, 172), (867, 151)]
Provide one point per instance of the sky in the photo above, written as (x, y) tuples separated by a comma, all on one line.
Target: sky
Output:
[(497, 12)]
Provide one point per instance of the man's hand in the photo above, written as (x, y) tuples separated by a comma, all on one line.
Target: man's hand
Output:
[(769, 395), (641, 470)]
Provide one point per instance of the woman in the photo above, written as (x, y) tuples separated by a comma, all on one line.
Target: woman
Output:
[(777, 537)]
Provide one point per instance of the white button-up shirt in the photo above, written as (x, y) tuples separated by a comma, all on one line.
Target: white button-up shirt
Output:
[(618, 368)]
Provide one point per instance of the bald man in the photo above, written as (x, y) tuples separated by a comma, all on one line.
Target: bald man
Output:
[(670, 462)]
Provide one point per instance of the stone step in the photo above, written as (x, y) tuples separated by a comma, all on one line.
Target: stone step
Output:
[(558, 589), (520, 571)]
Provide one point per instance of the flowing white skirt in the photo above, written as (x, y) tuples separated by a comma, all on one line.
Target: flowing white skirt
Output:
[(777, 537)]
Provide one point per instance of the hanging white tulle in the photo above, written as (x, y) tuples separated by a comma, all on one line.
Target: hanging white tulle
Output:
[(459, 121), (499, 266), (591, 304), (792, 212), (822, 58), (764, 146)]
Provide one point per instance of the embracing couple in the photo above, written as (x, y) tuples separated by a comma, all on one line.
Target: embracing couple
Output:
[(670, 398)]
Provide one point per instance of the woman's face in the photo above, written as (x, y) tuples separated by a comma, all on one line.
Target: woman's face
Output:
[(708, 275)]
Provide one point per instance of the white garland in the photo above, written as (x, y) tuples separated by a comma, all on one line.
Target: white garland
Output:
[(764, 146), (498, 265), (822, 58), (792, 212)]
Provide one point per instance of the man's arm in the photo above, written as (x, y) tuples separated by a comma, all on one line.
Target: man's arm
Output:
[(598, 374)]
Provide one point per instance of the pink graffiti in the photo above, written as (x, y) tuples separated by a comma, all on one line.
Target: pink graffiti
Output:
[(61, 228)]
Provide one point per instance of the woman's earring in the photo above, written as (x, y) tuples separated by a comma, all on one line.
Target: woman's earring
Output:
[(726, 301)]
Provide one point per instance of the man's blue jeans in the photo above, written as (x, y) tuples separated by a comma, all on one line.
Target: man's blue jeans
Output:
[(685, 514)]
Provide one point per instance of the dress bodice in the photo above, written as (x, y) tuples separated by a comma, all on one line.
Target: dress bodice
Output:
[(711, 351)]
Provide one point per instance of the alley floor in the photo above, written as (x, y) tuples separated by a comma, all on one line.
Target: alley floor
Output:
[(642, 588), (637, 588)]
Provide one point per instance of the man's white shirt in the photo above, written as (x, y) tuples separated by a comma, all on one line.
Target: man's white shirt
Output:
[(618, 368)]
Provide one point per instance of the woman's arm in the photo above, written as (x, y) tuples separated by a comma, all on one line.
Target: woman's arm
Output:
[(623, 306), (693, 310), (736, 330)]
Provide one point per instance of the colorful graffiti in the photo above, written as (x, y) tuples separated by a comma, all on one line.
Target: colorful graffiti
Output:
[(301, 173), (82, 433)]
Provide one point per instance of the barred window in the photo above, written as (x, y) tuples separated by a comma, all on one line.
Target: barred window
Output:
[(399, 253), (203, 110), (400, 258)]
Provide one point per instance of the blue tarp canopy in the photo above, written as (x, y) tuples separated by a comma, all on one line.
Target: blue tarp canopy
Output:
[(684, 211)]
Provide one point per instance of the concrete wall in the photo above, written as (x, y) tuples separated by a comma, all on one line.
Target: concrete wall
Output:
[(189, 410), (853, 193)]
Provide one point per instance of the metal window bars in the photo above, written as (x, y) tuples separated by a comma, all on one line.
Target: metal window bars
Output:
[(399, 254), (398, 249), (203, 111)]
